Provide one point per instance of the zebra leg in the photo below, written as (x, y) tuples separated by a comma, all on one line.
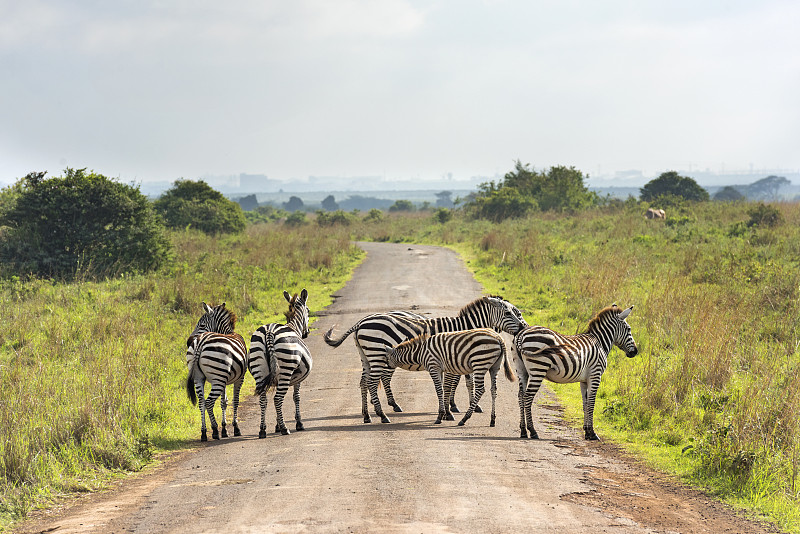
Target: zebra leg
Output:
[(452, 408), (436, 375), (223, 404), (237, 387), (216, 391), (201, 402), (386, 379), (588, 392), (262, 431), (534, 383), (494, 393), (523, 429), (364, 389), (479, 389), (374, 379), (450, 384), (471, 388), (298, 423), (280, 392)]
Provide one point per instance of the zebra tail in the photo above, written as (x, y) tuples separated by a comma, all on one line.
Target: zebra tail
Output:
[(328, 337), (507, 369), (271, 380), (190, 389)]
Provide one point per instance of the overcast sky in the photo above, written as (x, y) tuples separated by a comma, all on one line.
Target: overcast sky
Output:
[(158, 90)]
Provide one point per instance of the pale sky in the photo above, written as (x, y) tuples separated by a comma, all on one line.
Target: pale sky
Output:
[(158, 90)]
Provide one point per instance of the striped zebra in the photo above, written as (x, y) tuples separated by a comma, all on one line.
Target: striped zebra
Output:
[(565, 359), (375, 333), (279, 359), (451, 354), (215, 353)]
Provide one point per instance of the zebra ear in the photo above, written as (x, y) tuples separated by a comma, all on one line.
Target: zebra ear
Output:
[(304, 295), (206, 308), (287, 296), (625, 313)]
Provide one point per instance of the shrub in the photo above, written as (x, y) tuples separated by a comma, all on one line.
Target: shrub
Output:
[(335, 217), (79, 223), (764, 216), (373, 215), (296, 218), (672, 184), (442, 215), (402, 205), (197, 205)]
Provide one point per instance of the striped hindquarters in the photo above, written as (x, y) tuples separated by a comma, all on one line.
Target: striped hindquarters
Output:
[(217, 358), (277, 353)]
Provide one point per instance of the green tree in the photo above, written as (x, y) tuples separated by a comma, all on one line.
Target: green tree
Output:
[(80, 223), (197, 205), (500, 203), (767, 188), (728, 194), (329, 203), (402, 205), (294, 204), (671, 184)]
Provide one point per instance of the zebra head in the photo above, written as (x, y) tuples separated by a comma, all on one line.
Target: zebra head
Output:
[(622, 337), (297, 316), (215, 319), (494, 312)]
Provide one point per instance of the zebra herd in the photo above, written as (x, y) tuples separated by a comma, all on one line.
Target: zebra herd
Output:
[(445, 347)]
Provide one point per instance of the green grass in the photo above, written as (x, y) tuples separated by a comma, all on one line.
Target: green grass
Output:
[(92, 374)]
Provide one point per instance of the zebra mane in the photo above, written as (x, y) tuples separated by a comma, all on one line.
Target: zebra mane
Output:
[(601, 316), (292, 309), (477, 303)]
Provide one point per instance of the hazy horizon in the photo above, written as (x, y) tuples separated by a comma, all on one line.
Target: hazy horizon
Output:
[(406, 90)]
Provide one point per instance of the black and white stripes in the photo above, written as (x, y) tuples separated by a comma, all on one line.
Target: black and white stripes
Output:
[(582, 358), (215, 353), (279, 359)]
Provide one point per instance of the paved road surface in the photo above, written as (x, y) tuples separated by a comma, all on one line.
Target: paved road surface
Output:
[(341, 475)]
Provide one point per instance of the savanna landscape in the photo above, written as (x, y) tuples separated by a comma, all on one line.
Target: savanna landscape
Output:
[(92, 367)]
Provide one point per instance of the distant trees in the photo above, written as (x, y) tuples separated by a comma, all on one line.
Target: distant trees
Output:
[(294, 204), (80, 223), (766, 188), (524, 190), (195, 204), (728, 194), (444, 200), (670, 187), (402, 205), (329, 203), (248, 203)]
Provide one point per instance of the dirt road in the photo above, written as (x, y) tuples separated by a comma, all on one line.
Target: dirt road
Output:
[(341, 475)]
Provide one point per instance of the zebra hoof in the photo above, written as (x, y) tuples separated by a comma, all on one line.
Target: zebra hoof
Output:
[(449, 417), (385, 419), (236, 431), (299, 426), (523, 434), (367, 419), (478, 409), (396, 407), (438, 421), (592, 437), (491, 423), (534, 435), (285, 431), (203, 437), (454, 408), (262, 433), (215, 434), (224, 432)]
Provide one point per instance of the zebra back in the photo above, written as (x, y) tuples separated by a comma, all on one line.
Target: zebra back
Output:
[(215, 319)]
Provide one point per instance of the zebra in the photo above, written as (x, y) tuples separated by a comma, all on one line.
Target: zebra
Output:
[(375, 333), (279, 359), (453, 354), (582, 358), (217, 354)]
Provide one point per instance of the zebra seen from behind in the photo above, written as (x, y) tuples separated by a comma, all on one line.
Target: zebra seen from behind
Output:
[(279, 358), (451, 354), (376, 333), (582, 358), (215, 353)]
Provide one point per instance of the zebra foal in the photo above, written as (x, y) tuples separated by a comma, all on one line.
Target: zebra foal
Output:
[(452, 354), (215, 353), (378, 332), (582, 358), (279, 359)]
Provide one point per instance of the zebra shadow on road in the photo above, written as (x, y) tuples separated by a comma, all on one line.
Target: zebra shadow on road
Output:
[(400, 421)]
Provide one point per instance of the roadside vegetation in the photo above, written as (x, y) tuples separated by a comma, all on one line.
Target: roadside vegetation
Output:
[(92, 367)]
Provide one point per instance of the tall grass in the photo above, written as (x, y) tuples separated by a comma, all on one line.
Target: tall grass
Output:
[(91, 373)]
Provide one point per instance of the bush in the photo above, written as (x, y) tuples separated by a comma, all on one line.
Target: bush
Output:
[(442, 215), (764, 216), (335, 217), (297, 218), (500, 204), (373, 215), (79, 223), (198, 205), (402, 205)]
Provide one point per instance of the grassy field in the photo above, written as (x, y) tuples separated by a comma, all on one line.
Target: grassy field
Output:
[(91, 373)]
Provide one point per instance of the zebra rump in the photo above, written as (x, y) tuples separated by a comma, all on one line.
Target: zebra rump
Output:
[(267, 338)]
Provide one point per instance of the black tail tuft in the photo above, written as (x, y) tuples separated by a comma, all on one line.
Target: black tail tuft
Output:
[(190, 390)]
